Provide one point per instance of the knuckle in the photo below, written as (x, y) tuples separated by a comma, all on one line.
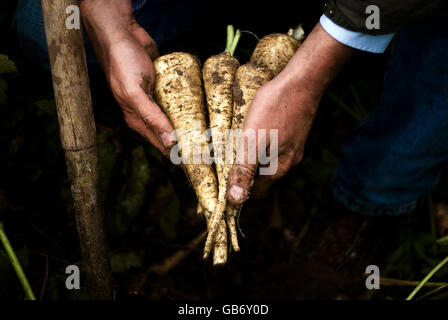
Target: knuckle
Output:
[(244, 171), (292, 156), (285, 164), (282, 171), (246, 168), (130, 121), (296, 155), (150, 122), (130, 92), (297, 158)]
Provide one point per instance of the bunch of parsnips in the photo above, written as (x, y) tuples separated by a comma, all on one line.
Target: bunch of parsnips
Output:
[(229, 90)]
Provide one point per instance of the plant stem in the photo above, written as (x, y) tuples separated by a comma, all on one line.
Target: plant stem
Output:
[(230, 36), (236, 38), (406, 283), (428, 276), (16, 264), (432, 292), (297, 33)]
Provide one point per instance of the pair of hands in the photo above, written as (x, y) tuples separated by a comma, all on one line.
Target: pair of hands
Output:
[(287, 103), (131, 76)]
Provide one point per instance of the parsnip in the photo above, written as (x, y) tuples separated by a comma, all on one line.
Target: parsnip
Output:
[(274, 52), (178, 91), (248, 79), (270, 56), (219, 74)]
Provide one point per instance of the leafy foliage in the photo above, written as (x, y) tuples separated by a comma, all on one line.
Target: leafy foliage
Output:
[(123, 261), (6, 66), (443, 241), (416, 247), (47, 106)]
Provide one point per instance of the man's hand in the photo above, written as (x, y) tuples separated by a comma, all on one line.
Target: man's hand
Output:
[(125, 51), (288, 103)]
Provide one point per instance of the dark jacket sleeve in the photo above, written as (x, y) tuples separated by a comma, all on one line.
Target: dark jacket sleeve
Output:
[(393, 14)]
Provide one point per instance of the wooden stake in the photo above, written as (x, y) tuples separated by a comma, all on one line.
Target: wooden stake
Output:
[(78, 138)]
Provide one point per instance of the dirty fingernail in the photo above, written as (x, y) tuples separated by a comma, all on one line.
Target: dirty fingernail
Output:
[(165, 138), (237, 193)]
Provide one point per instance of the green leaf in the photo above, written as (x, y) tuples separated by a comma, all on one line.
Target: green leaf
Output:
[(6, 65), (123, 261), (47, 106), (443, 241)]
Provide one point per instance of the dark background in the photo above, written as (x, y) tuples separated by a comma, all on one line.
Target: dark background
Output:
[(150, 206)]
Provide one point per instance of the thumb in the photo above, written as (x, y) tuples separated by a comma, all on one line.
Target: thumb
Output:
[(241, 177), (154, 119)]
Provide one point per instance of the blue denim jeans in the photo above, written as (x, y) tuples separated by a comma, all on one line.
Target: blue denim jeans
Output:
[(162, 19), (395, 156)]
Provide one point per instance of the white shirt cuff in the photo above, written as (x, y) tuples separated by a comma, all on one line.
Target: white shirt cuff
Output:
[(357, 40)]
